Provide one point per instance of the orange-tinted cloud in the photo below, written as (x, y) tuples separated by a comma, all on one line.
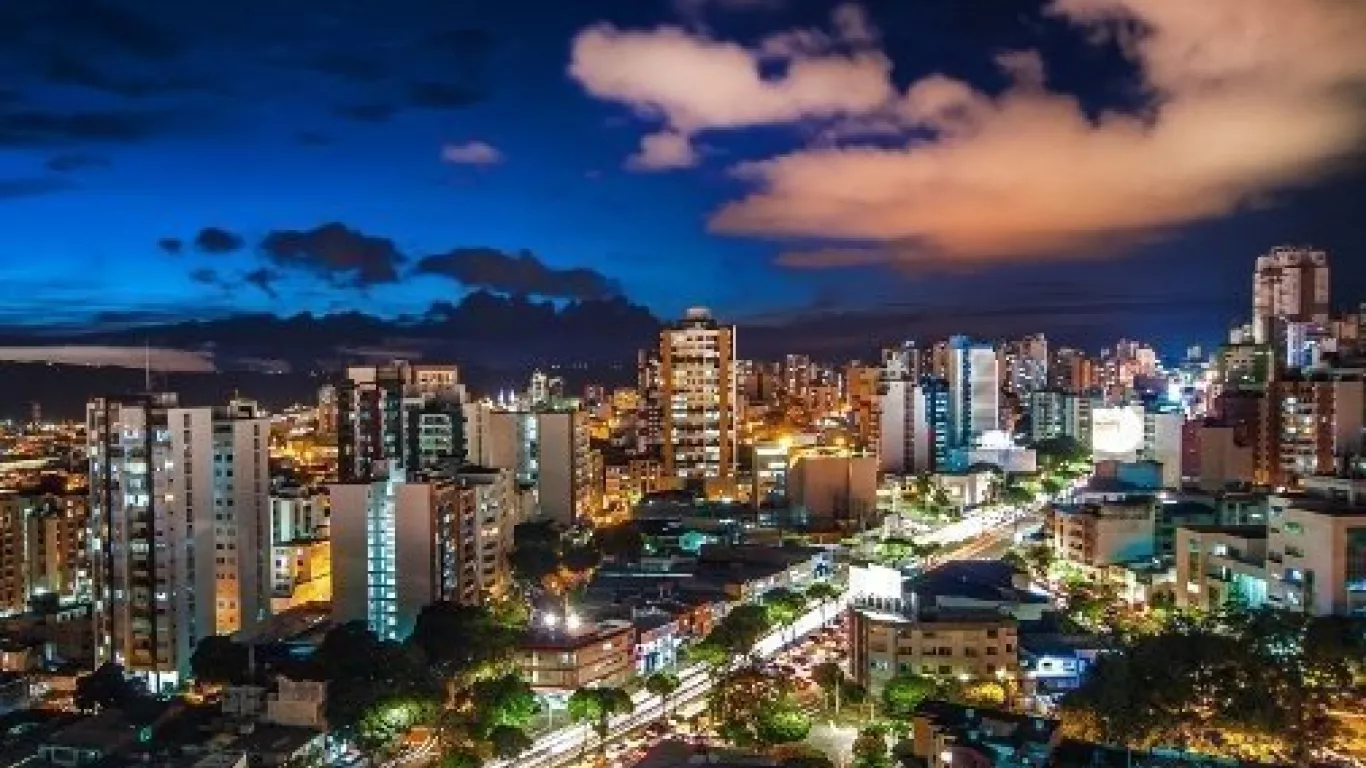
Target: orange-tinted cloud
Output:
[(693, 83), (1248, 97)]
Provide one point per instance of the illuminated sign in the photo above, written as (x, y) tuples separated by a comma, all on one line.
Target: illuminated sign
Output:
[(1116, 432)]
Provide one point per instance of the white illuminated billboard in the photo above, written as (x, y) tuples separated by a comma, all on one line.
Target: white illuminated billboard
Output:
[(876, 581), (1117, 433)]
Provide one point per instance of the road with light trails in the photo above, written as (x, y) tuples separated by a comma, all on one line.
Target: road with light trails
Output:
[(564, 745)]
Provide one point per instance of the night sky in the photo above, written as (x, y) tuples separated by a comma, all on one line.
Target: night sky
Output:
[(1088, 168)]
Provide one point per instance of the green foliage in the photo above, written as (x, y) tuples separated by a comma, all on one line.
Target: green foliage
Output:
[(870, 749), (823, 591), (663, 685), (368, 678), (535, 553), (903, 693), (461, 638), (782, 721), (830, 677), (106, 688), (757, 709), (218, 659), (506, 701), (597, 706), (784, 606), (509, 742), (1239, 684)]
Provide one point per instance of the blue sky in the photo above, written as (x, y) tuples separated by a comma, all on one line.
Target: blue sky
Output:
[(123, 124)]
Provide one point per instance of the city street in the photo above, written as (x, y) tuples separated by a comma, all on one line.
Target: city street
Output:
[(565, 745)]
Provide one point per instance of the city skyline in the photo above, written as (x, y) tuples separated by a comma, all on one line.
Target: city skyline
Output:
[(175, 167)]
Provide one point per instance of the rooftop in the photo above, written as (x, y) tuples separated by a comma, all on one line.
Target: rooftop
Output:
[(1250, 532), (547, 639), (1323, 505)]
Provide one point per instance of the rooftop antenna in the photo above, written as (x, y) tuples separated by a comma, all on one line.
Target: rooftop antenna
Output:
[(147, 365)]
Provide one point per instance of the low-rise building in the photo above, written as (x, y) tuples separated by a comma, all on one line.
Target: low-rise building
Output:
[(1316, 549), (946, 735), (887, 638), (564, 657), (1102, 533), (1217, 564)]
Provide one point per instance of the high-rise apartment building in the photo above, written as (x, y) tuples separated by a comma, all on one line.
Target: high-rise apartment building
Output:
[(905, 442), (862, 384), (1315, 422), (1071, 370), (43, 547), (399, 545), (974, 391), (1290, 283), (1024, 364), (180, 521), (699, 399), (398, 415), (548, 450)]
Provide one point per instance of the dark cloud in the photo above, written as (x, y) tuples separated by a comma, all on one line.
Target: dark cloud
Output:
[(264, 279), (431, 94), (31, 187), (68, 162), (38, 128), (209, 277), (217, 240), (349, 67), (104, 24), (374, 112), (340, 255), (461, 41), (67, 69), (312, 139), (518, 274), (171, 245)]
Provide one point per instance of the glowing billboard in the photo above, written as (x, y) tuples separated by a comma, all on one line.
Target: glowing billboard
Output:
[(1117, 433)]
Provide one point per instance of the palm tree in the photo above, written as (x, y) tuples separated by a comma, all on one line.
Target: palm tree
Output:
[(662, 684)]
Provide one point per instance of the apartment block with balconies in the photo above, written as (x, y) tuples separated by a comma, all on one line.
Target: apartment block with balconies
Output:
[(887, 641), (1219, 564)]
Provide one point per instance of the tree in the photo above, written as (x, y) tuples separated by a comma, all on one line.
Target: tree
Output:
[(830, 677), (782, 721), (663, 685), (870, 749), (823, 592), (105, 688), (784, 606), (459, 638), (597, 706), (369, 679), (535, 552), (895, 550), (506, 701), (218, 659), (903, 693), (509, 742), (743, 627), (622, 543)]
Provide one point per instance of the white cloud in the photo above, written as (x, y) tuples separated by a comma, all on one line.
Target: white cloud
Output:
[(1247, 97), (159, 359), (471, 153), (693, 83), (663, 151)]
